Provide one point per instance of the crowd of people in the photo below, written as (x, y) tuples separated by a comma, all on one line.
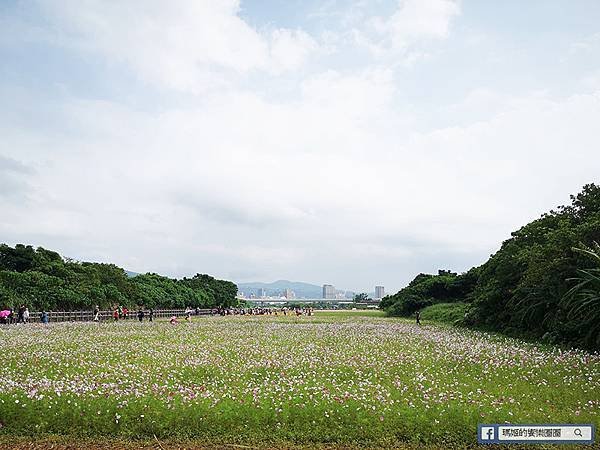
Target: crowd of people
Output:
[(8, 316), (245, 311), (304, 311), (122, 313)]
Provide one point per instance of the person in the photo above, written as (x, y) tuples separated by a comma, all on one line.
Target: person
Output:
[(141, 315), (418, 316), (96, 313), (116, 314), (125, 312), (120, 311), (173, 320), (188, 315), (151, 314), (44, 317), (26, 315), (21, 311)]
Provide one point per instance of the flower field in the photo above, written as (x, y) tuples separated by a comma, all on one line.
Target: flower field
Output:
[(339, 377)]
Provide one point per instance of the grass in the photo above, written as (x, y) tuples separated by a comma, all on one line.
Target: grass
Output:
[(445, 312), (340, 378)]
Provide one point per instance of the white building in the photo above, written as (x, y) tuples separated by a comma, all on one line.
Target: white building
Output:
[(379, 292), (328, 291)]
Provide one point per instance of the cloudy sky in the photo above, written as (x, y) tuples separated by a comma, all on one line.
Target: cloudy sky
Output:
[(348, 142)]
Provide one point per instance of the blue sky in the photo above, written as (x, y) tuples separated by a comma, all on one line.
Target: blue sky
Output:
[(346, 142)]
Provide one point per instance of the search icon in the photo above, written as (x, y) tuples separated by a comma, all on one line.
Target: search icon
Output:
[(577, 432)]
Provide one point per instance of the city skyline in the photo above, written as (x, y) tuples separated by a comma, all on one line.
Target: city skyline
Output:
[(245, 288)]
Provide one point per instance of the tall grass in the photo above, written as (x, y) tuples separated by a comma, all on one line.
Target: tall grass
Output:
[(583, 300)]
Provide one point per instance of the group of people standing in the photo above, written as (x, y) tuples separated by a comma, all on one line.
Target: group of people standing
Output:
[(122, 313), (7, 316), (306, 311)]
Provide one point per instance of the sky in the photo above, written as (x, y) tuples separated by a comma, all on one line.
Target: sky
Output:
[(355, 143)]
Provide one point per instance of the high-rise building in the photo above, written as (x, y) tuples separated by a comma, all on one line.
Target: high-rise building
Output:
[(288, 293), (328, 291), (379, 292), (262, 293)]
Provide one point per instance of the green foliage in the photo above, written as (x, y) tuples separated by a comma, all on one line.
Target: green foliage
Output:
[(41, 279), (361, 298), (583, 300), (426, 290), (334, 380), (521, 287), (219, 292), (451, 313), (407, 304), (536, 284)]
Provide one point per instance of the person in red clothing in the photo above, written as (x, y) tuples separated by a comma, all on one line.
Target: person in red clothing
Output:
[(116, 315), (125, 312)]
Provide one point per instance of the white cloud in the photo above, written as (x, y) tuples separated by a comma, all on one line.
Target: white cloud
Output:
[(413, 23), (339, 179), (290, 49), (323, 185), (188, 45), (418, 20), (588, 44)]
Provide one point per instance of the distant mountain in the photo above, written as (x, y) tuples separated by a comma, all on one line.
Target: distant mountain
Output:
[(131, 274), (302, 290)]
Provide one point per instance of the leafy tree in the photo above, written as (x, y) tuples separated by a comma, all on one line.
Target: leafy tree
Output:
[(427, 289), (42, 279), (220, 292), (361, 298), (527, 286), (521, 287), (582, 301), (18, 259)]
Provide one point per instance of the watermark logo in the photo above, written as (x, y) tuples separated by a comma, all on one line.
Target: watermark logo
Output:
[(487, 434), (536, 434)]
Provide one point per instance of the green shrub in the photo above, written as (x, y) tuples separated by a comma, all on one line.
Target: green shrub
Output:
[(526, 287), (583, 300), (426, 290), (42, 279), (408, 305), (452, 313), (522, 286)]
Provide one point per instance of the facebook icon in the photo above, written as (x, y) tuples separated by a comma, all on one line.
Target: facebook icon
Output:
[(487, 434)]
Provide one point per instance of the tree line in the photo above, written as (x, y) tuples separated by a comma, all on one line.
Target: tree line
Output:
[(44, 280), (544, 281)]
